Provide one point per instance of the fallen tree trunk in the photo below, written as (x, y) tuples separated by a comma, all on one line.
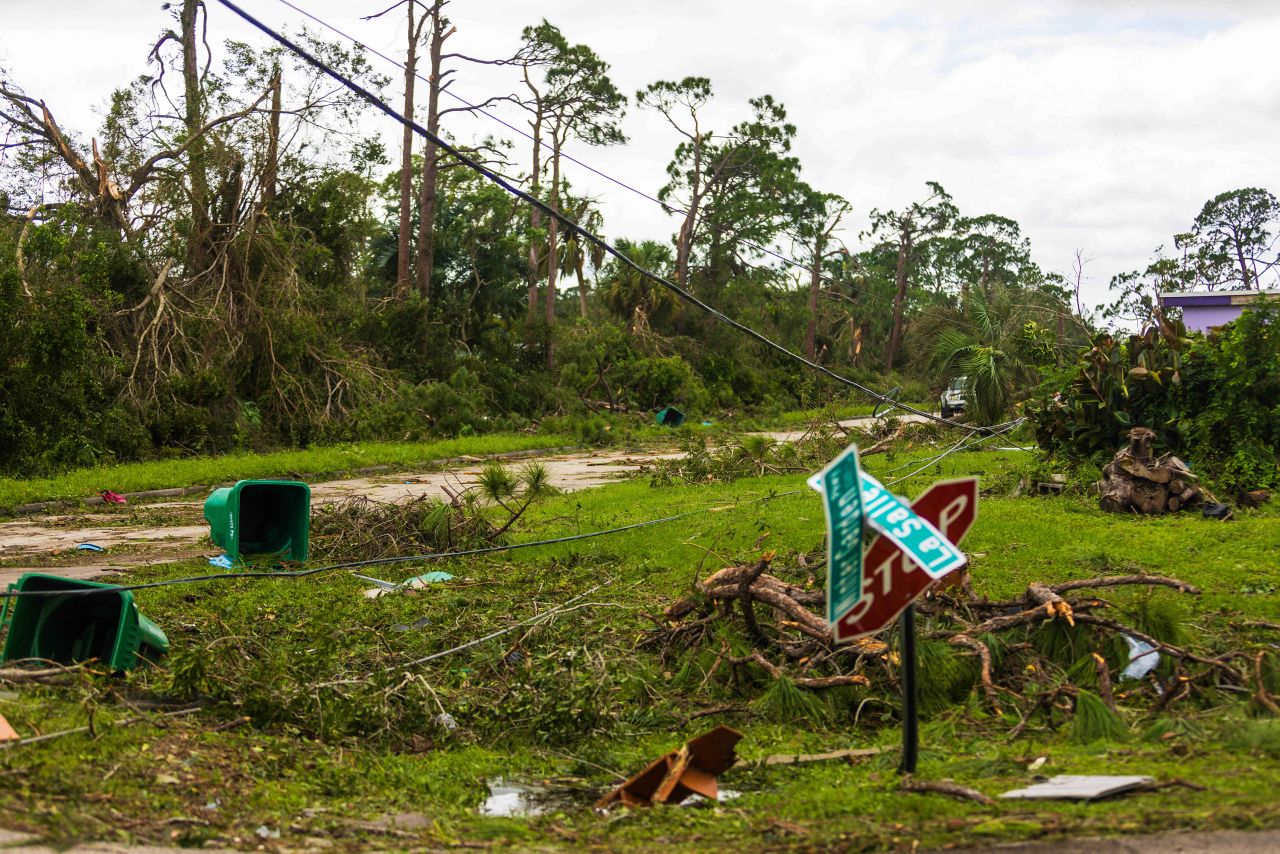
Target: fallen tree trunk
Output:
[(1137, 482)]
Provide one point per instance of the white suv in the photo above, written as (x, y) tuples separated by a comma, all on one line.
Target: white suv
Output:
[(953, 397)]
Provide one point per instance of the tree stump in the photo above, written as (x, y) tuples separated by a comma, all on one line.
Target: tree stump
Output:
[(1137, 482)]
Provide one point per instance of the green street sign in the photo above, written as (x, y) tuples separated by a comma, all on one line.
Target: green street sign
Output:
[(916, 536), (853, 498), (839, 485)]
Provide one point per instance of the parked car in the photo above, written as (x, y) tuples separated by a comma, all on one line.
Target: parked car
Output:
[(954, 397)]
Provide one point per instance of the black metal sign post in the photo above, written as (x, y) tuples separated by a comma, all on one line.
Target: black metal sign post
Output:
[(910, 714)]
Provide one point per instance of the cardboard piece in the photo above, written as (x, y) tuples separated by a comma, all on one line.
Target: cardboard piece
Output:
[(669, 779)]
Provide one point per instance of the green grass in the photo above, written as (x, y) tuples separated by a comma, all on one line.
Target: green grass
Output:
[(163, 474), (343, 729)]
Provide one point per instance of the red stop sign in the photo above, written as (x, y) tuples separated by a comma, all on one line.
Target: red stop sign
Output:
[(890, 581)]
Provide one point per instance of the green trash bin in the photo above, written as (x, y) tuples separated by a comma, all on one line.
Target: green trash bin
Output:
[(72, 626), (261, 518), (670, 417)]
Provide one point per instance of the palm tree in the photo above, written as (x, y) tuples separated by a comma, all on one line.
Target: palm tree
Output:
[(633, 295), (575, 253), (984, 342)]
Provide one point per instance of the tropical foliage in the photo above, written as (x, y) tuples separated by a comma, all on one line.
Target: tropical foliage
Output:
[(1215, 401), (230, 265)]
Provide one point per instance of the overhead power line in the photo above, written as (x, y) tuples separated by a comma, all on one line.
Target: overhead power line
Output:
[(356, 564)]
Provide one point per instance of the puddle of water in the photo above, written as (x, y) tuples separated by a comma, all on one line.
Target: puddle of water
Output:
[(517, 800)]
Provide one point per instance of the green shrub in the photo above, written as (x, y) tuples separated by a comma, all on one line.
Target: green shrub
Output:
[(1214, 401)]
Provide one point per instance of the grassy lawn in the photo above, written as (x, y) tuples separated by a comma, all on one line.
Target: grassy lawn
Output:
[(191, 471), (327, 460), (344, 732)]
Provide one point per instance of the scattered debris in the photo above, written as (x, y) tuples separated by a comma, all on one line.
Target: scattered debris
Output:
[(1221, 512), (265, 832), (1254, 498), (1053, 486), (89, 547), (221, 561), (419, 623), (1143, 658), (467, 517), (1135, 481), (446, 721), (793, 642), (415, 583), (45, 673), (801, 758), (113, 497), (7, 732), (423, 580), (722, 795), (944, 787), (758, 454), (1079, 788), (507, 800), (669, 779)]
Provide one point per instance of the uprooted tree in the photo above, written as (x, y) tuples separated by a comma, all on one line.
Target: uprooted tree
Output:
[(1054, 652), (196, 197)]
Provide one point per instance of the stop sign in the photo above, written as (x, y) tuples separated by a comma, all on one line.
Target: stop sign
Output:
[(890, 580)]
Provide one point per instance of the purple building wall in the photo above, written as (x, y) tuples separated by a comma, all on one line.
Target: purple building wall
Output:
[(1203, 311)]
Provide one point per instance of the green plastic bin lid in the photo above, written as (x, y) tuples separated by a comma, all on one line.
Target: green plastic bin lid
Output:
[(79, 627), (262, 518)]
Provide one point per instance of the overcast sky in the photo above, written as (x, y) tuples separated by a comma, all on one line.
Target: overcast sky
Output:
[(1097, 125)]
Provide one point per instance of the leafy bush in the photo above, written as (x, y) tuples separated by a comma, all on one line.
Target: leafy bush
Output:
[(458, 407), (1215, 401), (1116, 387), (1233, 401), (58, 405)]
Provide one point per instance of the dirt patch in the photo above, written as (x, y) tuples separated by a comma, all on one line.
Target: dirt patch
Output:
[(48, 543)]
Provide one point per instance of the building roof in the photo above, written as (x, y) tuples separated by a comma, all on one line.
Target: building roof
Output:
[(1184, 299)]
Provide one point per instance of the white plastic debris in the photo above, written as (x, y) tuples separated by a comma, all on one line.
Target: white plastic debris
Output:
[(1143, 658), (1078, 788), (265, 832), (444, 719)]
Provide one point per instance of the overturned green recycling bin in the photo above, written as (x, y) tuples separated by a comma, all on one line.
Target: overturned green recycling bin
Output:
[(670, 417), (78, 621), (261, 518)]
